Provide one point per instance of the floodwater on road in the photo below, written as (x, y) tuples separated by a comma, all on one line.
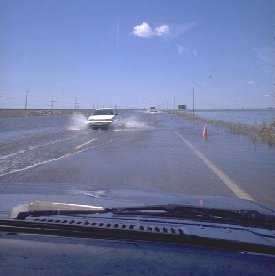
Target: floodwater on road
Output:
[(250, 117), (149, 152)]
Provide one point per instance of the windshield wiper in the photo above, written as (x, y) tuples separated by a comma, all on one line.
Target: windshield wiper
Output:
[(45, 208), (240, 217)]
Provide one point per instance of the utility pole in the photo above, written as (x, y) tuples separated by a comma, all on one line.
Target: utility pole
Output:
[(174, 102), (193, 101), (26, 99), (52, 103), (76, 104)]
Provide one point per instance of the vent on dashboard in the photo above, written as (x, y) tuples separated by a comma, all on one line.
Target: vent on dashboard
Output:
[(105, 223)]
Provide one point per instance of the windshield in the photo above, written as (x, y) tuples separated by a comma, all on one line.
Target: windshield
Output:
[(103, 112), (192, 83)]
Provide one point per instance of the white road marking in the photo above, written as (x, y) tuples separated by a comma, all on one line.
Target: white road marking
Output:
[(221, 175), (84, 144)]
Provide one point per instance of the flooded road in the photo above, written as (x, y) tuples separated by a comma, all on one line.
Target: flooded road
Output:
[(148, 152)]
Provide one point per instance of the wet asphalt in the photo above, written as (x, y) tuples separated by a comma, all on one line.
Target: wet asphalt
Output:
[(148, 152)]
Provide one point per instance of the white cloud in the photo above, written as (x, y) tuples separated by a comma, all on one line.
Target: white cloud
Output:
[(162, 30), (251, 82), (186, 51), (144, 30)]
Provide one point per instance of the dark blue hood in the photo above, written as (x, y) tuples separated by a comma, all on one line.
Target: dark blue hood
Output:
[(12, 195)]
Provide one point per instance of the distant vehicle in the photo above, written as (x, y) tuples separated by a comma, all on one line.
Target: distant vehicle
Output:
[(102, 118), (152, 109)]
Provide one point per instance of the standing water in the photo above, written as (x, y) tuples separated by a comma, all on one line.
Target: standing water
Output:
[(250, 117)]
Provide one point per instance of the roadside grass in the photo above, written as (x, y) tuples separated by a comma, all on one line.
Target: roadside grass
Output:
[(264, 132)]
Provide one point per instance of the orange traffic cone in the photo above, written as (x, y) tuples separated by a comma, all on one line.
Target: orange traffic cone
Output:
[(204, 132)]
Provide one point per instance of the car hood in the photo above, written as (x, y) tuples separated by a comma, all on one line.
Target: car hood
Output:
[(101, 117), (12, 195)]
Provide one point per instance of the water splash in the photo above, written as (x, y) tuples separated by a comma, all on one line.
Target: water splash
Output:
[(130, 123), (78, 122)]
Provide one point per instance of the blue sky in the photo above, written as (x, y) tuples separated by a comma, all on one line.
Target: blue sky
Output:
[(137, 53)]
